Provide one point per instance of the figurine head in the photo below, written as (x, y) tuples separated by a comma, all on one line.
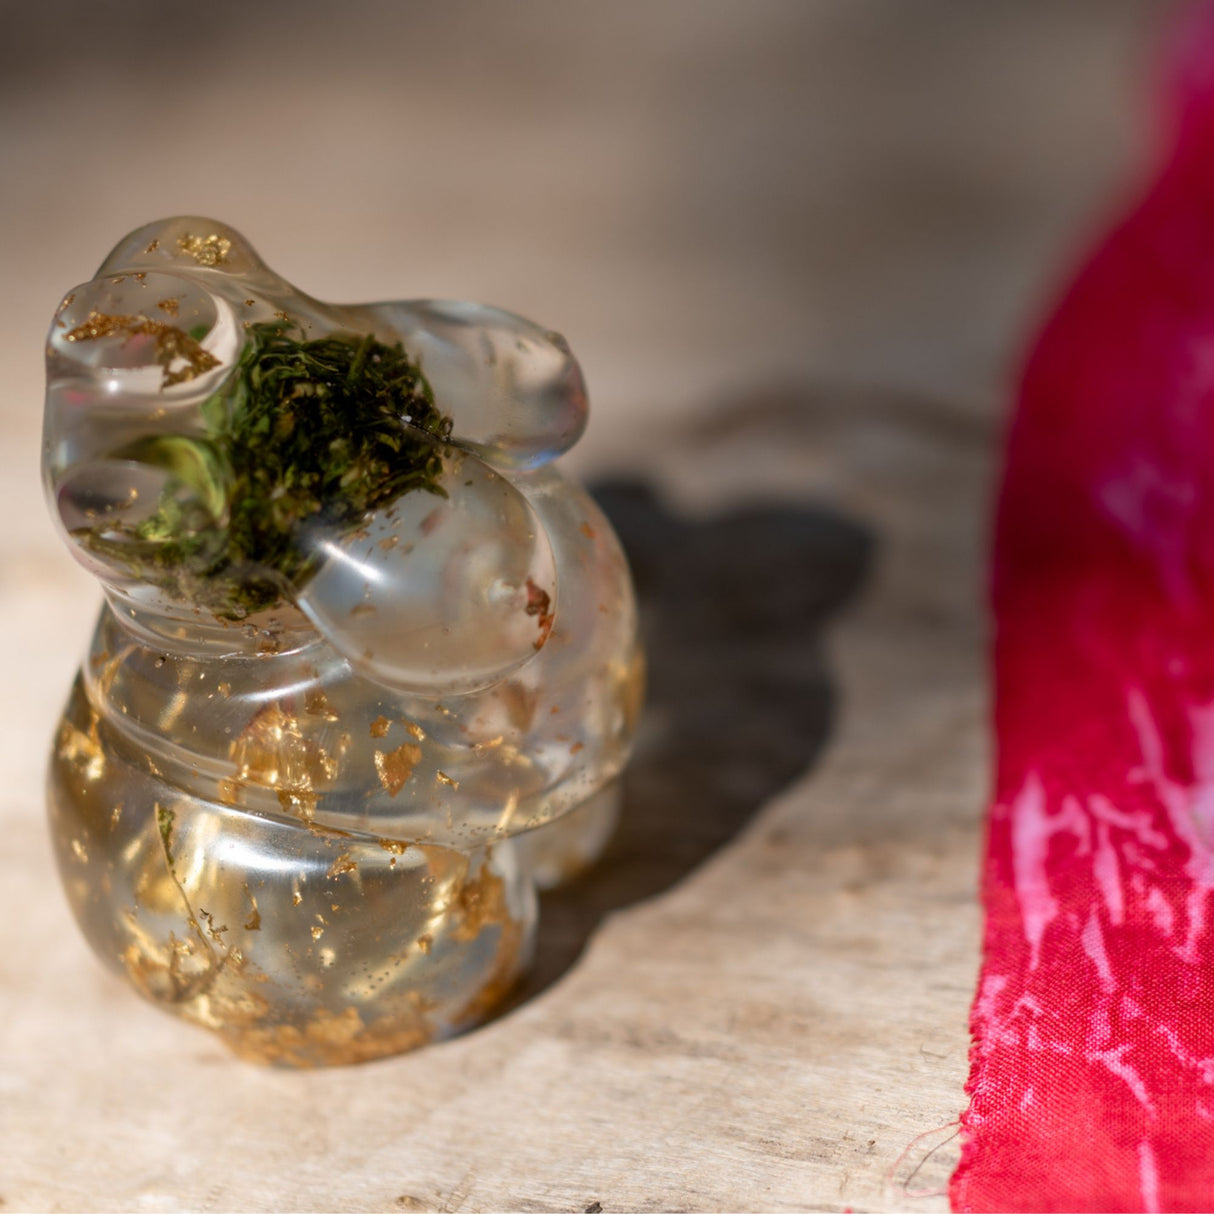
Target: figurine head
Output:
[(221, 449)]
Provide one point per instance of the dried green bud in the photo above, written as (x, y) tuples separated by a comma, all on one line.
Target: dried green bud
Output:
[(303, 432)]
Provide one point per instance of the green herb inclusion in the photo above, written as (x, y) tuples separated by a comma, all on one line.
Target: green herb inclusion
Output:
[(303, 433)]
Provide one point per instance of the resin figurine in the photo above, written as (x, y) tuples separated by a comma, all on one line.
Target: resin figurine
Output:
[(367, 667)]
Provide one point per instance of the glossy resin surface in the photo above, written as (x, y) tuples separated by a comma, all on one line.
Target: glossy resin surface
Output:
[(367, 669)]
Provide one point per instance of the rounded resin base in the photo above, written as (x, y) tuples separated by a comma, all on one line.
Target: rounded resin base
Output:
[(297, 945)]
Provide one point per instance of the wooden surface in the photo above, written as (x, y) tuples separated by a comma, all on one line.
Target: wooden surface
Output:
[(796, 246)]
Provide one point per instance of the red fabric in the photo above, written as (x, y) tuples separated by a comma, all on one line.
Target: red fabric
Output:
[(1092, 1069)]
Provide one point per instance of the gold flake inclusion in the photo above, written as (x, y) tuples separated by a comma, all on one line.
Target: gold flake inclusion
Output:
[(173, 345), (208, 251), (396, 766)]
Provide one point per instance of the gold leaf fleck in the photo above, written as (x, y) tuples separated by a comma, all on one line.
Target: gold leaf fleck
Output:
[(480, 903), (316, 704), (396, 766), (343, 864), (253, 922), (379, 727), (172, 344), (300, 802), (83, 750), (281, 751), (210, 250)]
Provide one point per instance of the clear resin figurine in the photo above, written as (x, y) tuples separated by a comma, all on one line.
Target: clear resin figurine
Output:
[(367, 669)]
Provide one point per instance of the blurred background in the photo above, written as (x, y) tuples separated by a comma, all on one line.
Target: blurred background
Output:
[(798, 246), (707, 197)]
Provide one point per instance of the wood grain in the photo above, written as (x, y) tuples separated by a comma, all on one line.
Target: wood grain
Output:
[(797, 246)]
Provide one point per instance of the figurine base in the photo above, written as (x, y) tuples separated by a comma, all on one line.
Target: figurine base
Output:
[(297, 946)]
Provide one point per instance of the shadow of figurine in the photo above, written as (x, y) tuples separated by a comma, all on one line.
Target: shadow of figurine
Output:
[(740, 699)]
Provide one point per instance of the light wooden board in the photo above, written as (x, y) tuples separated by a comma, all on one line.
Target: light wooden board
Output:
[(797, 246)]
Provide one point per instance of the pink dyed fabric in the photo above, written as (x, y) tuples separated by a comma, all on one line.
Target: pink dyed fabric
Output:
[(1092, 1069)]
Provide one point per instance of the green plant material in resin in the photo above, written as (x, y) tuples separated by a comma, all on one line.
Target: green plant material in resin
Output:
[(317, 431)]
